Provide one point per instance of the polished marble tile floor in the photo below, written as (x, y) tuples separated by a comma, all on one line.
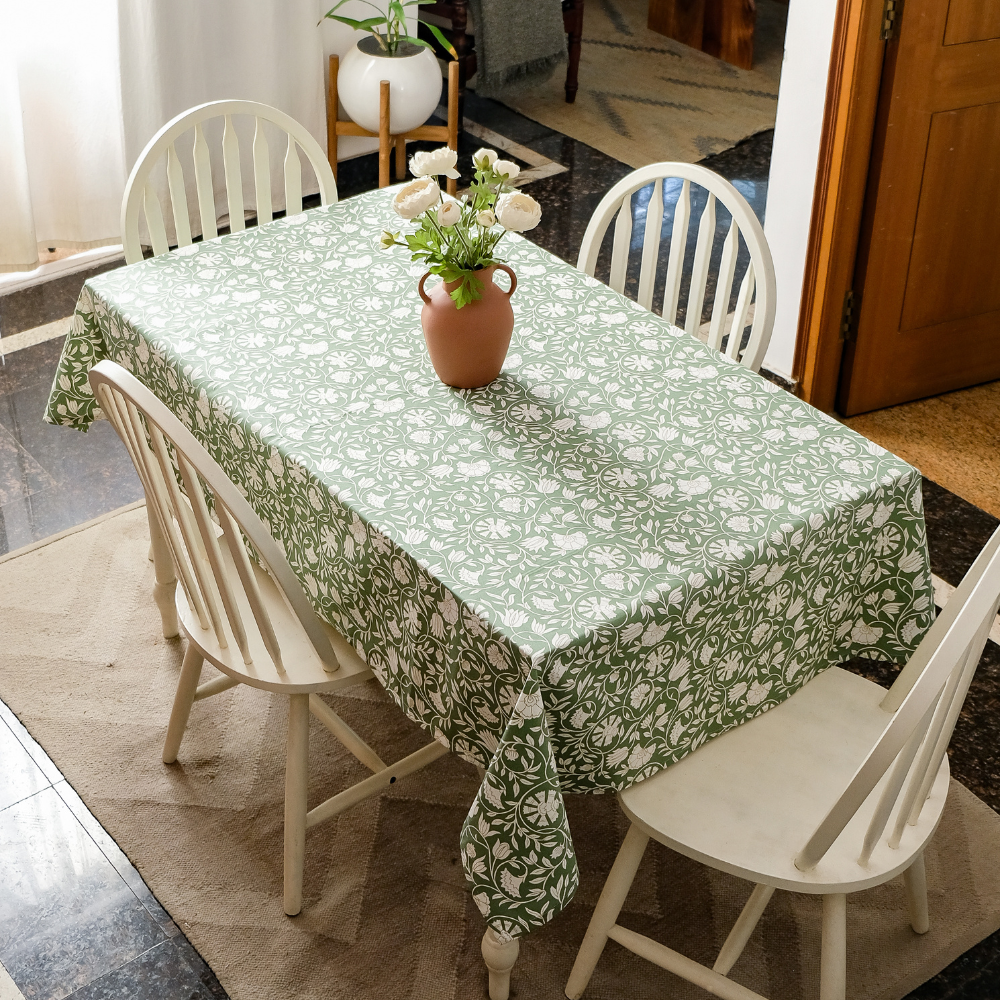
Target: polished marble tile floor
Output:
[(76, 918)]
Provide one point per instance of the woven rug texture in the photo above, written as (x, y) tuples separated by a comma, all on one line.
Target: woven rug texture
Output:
[(645, 98), (950, 438), (387, 913)]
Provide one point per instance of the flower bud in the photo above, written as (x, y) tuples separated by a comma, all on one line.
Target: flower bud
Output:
[(449, 213), (507, 169), (484, 158), (486, 219)]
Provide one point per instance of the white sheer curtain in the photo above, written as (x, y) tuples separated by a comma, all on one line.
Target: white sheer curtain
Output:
[(83, 87), (61, 166)]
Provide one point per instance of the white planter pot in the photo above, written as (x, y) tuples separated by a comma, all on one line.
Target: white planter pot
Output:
[(414, 85)]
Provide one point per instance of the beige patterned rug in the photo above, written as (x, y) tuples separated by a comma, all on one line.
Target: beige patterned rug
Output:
[(951, 439), (644, 98), (387, 914)]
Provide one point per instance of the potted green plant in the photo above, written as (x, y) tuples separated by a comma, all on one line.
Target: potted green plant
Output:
[(389, 52), (467, 320)]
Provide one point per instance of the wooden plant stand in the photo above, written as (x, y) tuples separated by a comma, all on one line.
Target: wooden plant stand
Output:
[(386, 141)]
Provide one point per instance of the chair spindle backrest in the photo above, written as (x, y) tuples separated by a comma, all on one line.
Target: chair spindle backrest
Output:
[(140, 191), (757, 278), (163, 452), (924, 701)]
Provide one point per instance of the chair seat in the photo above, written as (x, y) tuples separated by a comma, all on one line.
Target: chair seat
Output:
[(748, 801), (303, 671)]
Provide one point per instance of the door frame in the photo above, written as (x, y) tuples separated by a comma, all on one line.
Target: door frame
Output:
[(857, 59)]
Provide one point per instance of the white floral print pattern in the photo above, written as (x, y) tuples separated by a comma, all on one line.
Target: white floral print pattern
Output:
[(688, 546)]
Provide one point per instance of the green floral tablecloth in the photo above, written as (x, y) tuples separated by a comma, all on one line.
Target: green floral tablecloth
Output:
[(621, 548)]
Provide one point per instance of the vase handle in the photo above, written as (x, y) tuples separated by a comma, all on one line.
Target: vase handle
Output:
[(420, 289), (513, 279)]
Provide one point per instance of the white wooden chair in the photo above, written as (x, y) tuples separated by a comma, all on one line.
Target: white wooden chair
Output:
[(140, 194), (250, 619), (802, 797), (759, 275)]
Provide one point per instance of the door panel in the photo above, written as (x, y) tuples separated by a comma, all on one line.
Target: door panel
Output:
[(972, 21), (954, 270), (928, 273)]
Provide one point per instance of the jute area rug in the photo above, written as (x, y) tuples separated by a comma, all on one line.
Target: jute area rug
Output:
[(950, 438), (645, 98), (387, 914)]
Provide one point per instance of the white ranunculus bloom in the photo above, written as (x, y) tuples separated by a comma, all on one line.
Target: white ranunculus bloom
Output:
[(449, 213), (507, 169), (485, 157), (437, 161), (486, 219), (518, 212), (416, 197)]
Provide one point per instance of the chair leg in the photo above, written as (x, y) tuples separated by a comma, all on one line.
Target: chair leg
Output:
[(606, 912), (915, 880), (499, 958), (833, 959), (296, 793), (748, 919), (187, 687), (166, 580)]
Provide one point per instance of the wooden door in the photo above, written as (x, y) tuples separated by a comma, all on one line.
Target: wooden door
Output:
[(927, 282)]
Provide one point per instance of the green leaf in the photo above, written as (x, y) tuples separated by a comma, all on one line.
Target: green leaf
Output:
[(468, 291), (366, 25), (335, 7), (439, 35)]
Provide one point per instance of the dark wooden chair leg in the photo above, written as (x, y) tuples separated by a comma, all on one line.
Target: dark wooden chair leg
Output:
[(459, 14), (573, 23)]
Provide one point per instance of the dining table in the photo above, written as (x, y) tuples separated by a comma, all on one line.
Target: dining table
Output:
[(624, 546)]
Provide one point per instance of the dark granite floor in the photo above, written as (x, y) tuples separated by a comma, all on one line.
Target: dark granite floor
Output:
[(76, 918)]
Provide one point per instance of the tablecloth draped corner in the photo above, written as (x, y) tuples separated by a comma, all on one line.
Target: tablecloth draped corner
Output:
[(71, 402)]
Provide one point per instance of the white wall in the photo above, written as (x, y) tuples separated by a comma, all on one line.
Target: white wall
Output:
[(794, 160)]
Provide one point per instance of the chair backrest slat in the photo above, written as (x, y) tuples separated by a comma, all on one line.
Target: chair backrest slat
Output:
[(621, 245), (234, 176), (300, 141), (724, 289), (154, 220), (740, 315), (702, 258), (194, 490), (651, 246), (262, 173), (193, 544), (163, 448), (234, 538), (954, 645), (923, 777), (678, 250), (203, 183), (178, 198), (125, 419), (293, 180), (917, 663), (757, 286), (900, 770)]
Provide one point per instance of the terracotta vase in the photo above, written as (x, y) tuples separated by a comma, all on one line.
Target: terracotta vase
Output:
[(468, 345)]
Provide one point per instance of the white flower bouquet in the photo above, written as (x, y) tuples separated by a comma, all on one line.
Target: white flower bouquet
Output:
[(455, 239)]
